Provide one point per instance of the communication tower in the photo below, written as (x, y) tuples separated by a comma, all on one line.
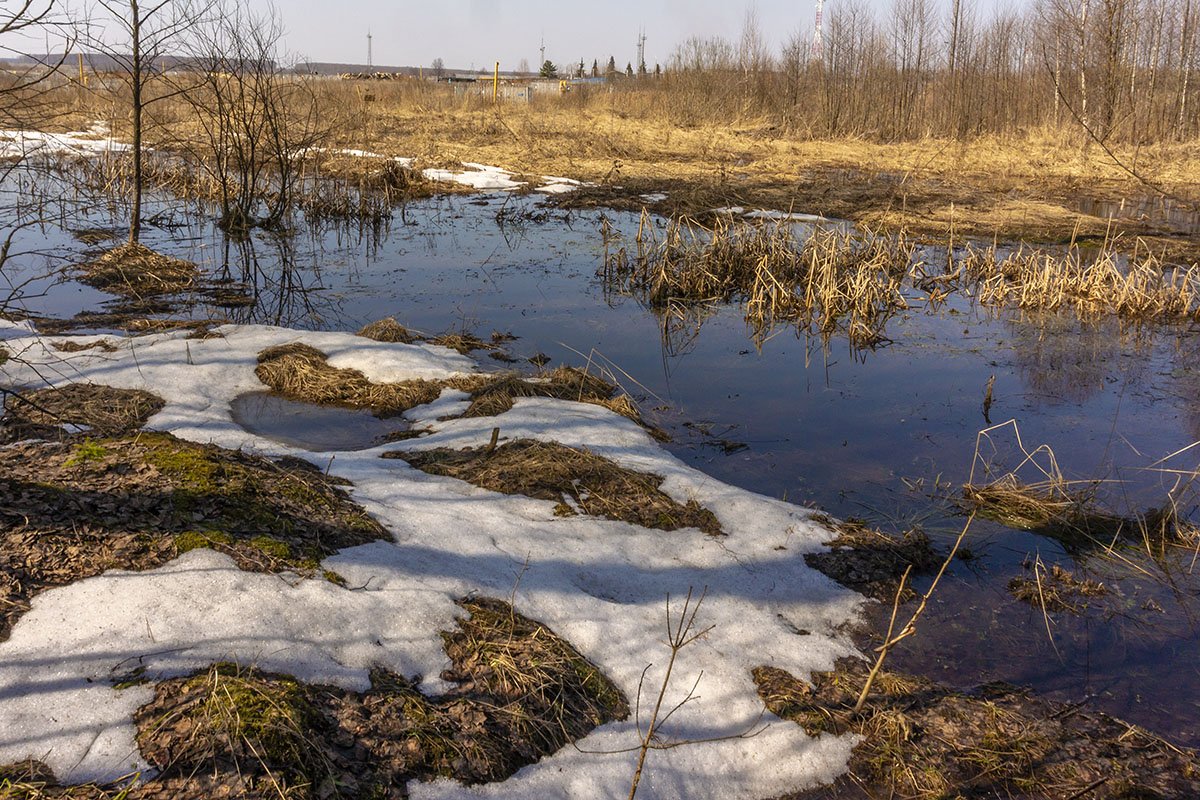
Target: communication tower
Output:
[(818, 42)]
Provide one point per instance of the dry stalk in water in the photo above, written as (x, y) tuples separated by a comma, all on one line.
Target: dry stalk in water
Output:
[(892, 638)]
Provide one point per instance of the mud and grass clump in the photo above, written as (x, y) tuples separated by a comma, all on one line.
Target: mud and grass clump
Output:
[(872, 562), (927, 742), (576, 480), (300, 372), (1055, 589), (72, 509), (1051, 508), (521, 693), (103, 410)]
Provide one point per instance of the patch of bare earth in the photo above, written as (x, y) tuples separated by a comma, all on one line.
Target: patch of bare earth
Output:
[(577, 480), (923, 741), (521, 693)]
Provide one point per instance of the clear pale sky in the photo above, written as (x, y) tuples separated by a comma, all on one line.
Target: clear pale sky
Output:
[(480, 32)]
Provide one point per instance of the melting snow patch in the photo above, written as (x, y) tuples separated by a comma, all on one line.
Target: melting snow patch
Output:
[(478, 176), (654, 197), (96, 140), (600, 584)]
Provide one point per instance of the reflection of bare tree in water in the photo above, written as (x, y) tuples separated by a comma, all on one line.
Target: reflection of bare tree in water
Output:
[(1063, 359), (282, 292), (1185, 381)]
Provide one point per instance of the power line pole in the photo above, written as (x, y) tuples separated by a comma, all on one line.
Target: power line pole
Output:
[(542, 50), (370, 62), (641, 50)]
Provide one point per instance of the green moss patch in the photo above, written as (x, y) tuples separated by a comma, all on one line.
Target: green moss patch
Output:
[(928, 742), (72, 509), (575, 479), (521, 693)]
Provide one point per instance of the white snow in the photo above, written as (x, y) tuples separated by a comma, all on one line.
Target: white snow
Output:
[(781, 216), (478, 176), (556, 185), (654, 197), (96, 140), (600, 584)]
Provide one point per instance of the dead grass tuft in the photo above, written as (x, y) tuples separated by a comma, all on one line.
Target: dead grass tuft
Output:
[(1091, 283), (301, 372), (464, 343), (69, 346), (134, 270), (836, 279), (388, 330), (494, 394), (578, 481)]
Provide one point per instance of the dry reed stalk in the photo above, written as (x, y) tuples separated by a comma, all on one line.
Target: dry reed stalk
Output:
[(1140, 286), (836, 278)]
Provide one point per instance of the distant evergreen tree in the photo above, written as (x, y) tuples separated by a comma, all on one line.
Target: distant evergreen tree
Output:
[(611, 71), (548, 70), (579, 72), (658, 70), (642, 68), (628, 69), (595, 68)]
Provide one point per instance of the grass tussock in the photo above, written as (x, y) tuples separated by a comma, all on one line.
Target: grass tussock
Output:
[(577, 481), (1032, 493), (837, 278), (927, 742), (1092, 283), (494, 394), (134, 270), (521, 693), (388, 330), (300, 372)]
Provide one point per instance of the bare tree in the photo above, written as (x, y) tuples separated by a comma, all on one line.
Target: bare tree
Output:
[(138, 38), (256, 122)]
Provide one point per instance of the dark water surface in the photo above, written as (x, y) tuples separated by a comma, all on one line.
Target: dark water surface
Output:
[(888, 436)]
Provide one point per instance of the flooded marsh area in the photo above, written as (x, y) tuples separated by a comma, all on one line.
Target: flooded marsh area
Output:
[(882, 429)]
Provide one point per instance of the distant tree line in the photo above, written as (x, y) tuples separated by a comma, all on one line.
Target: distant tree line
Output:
[(1119, 69)]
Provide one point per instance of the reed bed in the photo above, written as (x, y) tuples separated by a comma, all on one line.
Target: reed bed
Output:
[(1092, 283), (837, 278)]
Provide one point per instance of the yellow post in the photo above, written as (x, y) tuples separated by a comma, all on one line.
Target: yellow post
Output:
[(496, 83), (80, 56)]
